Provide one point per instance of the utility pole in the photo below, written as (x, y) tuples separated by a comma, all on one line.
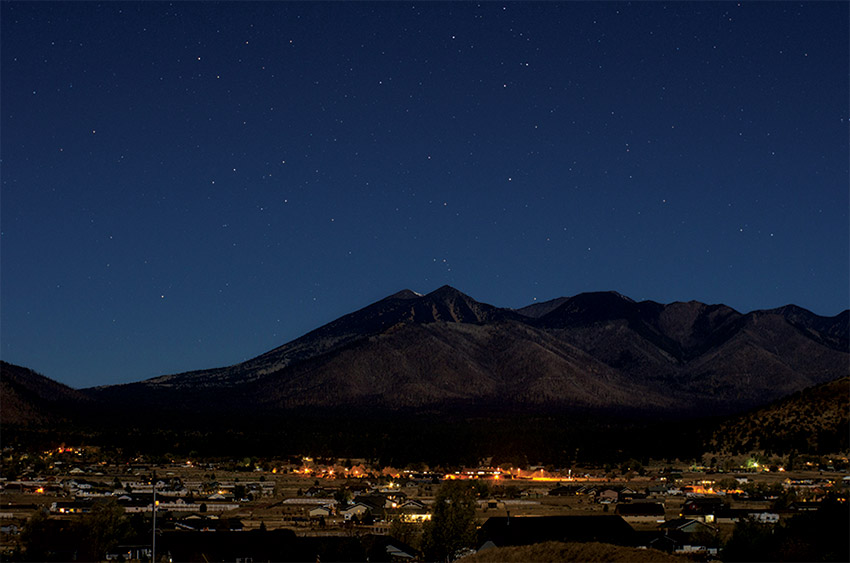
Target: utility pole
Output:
[(153, 534)]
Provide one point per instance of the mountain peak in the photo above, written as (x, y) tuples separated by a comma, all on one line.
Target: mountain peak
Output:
[(447, 291), (592, 307), (405, 294)]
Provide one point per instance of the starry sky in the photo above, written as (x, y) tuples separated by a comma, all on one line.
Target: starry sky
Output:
[(189, 185)]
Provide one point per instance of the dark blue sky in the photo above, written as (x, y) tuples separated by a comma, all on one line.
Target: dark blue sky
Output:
[(187, 185)]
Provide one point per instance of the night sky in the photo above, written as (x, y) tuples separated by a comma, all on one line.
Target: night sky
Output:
[(188, 185)]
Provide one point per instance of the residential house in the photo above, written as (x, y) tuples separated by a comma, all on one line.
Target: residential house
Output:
[(207, 524), (702, 509), (608, 496), (641, 512), (71, 507), (386, 548), (358, 509), (137, 551), (565, 491), (414, 511), (320, 512), (491, 504), (732, 515), (688, 536)]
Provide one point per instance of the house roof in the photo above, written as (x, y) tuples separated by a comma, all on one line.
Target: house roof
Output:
[(354, 507), (640, 509), (685, 525), (708, 505), (565, 490), (372, 502), (525, 530), (384, 548)]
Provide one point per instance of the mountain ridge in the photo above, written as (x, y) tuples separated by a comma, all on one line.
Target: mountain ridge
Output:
[(812, 420), (30, 398), (592, 350)]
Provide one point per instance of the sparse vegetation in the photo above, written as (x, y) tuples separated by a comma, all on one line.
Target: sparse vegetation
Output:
[(555, 552), (812, 421)]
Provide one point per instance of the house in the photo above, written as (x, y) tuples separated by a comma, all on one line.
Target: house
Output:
[(72, 507), (358, 509), (414, 511), (634, 512), (412, 503), (137, 551), (732, 515), (629, 493), (564, 491), (526, 530), (378, 505), (686, 526), (764, 517), (688, 536), (804, 506), (201, 524), (703, 509), (386, 548), (657, 489), (318, 492), (491, 504), (320, 512), (657, 540), (589, 490), (608, 496)]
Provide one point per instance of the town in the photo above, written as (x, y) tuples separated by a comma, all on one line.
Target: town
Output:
[(305, 508)]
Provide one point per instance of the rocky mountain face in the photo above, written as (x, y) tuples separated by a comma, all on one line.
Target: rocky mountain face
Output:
[(591, 351)]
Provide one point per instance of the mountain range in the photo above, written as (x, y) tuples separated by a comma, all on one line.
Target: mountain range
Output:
[(597, 350), (441, 376)]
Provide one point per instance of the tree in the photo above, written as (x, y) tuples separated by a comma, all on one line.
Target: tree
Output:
[(452, 525), (39, 534), (405, 531), (750, 541), (342, 496), (101, 529), (481, 488)]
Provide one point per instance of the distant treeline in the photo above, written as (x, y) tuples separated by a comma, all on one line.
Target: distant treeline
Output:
[(813, 422), (389, 438)]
